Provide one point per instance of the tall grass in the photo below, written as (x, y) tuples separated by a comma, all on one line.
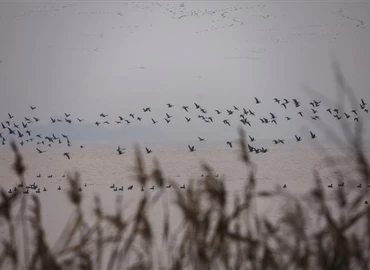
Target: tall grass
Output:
[(218, 230)]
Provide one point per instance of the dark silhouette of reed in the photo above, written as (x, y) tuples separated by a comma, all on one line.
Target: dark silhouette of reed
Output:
[(218, 231)]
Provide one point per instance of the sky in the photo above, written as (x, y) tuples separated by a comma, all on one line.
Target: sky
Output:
[(88, 58)]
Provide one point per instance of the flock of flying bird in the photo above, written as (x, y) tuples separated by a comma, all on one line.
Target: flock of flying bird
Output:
[(22, 130)]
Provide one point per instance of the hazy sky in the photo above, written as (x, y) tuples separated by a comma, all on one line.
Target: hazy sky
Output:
[(87, 58)]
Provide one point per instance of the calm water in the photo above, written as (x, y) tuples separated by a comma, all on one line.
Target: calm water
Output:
[(100, 166)]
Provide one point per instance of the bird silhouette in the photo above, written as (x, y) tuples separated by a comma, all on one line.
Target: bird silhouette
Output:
[(67, 155), (10, 131), (40, 151), (32, 108), (257, 101), (191, 148), (230, 144), (313, 136), (226, 122), (363, 102), (201, 139), (296, 103), (148, 151), (298, 138)]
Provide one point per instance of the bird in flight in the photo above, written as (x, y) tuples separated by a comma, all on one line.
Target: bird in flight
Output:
[(257, 101), (230, 144), (148, 151), (67, 155), (201, 139), (191, 148), (40, 151), (313, 136), (32, 108)]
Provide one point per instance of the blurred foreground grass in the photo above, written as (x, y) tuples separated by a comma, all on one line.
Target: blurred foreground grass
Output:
[(309, 234)]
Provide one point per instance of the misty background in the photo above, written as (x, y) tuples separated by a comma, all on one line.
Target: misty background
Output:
[(88, 58)]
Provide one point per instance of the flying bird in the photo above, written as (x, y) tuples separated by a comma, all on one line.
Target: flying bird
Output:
[(257, 101), (40, 151), (191, 148), (67, 155), (230, 144)]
